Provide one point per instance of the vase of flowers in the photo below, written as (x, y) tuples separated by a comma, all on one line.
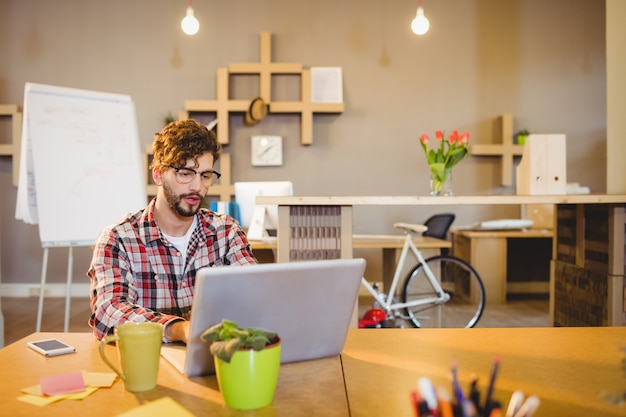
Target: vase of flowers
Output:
[(449, 152)]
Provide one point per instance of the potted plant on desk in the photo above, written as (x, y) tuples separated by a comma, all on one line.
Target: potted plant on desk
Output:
[(246, 363)]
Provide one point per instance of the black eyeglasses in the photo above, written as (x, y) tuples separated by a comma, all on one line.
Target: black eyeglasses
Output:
[(186, 175)]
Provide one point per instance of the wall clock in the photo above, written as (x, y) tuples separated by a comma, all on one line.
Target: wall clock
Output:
[(267, 150)]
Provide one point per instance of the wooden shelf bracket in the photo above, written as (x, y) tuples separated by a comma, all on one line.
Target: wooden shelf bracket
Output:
[(506, 150)]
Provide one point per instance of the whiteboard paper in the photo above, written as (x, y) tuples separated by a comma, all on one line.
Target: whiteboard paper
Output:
[(82, 167)]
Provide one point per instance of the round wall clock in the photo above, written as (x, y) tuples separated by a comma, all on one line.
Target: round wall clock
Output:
[(267, 150)]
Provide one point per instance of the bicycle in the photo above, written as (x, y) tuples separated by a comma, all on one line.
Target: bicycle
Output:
[(441, 291)]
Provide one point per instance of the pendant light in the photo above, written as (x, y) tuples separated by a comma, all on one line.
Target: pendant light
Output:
[(190, 24), (420, 24)]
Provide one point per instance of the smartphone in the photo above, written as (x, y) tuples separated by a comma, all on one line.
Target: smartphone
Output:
[(50, 347)]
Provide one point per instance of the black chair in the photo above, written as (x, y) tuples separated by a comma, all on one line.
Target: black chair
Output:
[(438, 226)]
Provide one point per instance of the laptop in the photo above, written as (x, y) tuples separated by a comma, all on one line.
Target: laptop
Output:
[(308, 303)]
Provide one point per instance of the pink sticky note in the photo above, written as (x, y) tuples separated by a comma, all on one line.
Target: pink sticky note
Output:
[(62, 384)]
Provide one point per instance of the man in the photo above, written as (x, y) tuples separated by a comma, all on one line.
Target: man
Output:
[(144, 267)]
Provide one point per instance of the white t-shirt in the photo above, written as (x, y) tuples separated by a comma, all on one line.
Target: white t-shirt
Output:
[(182, 242)]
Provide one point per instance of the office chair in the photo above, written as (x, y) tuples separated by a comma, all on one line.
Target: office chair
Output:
[(438, 226)]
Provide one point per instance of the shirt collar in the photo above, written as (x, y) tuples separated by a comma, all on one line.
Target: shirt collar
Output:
[(150, 232)]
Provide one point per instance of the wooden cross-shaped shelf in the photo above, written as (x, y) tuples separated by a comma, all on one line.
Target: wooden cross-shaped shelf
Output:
[(506, 150), (265, 68), (222, 106)]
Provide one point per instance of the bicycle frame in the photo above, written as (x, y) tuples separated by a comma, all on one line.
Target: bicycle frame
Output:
[(386, 300)]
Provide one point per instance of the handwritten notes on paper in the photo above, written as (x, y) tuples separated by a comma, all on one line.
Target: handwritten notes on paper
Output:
[(81, 166)]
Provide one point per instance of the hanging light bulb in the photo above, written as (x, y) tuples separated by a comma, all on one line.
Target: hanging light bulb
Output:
[(420, 24), (190, 24)]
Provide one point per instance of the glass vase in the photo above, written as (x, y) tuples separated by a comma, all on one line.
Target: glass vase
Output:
[(442, 184)]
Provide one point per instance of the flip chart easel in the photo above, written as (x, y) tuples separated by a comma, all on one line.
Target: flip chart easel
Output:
[(80, 168), (68, 289)]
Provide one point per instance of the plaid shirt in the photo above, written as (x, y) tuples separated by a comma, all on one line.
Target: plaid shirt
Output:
[(137, 275)]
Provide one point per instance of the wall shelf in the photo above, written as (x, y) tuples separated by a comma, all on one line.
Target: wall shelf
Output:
[(222, 106), (13, 148), (506, 150)]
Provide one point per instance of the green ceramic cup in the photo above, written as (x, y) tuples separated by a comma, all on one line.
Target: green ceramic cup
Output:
[(249, 381), (139, 348)]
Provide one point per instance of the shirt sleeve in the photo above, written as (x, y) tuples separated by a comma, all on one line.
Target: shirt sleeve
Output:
[(239, 251), (113, 296), (228, 244)]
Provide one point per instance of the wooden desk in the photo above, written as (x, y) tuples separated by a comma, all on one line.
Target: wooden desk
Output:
[(304, 389), (487, 251), (569, 368), (371, 241), (390, 245), (588, 246)]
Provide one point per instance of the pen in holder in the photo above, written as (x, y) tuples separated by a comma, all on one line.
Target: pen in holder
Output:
[(427, 400)]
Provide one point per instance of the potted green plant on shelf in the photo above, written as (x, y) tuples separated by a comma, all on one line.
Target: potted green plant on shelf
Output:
[(521, 136), (246, 363)]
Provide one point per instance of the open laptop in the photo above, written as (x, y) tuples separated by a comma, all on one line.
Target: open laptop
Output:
[(309, 304)]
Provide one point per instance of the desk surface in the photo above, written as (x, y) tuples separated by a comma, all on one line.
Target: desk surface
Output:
[(373, 241), (300, 385), (517, 233), (569, 368), (440, 200)]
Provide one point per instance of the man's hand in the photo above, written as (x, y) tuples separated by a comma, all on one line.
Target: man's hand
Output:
[(177, 331)]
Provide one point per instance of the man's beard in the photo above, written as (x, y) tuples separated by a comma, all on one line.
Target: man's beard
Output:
[(175, 202)]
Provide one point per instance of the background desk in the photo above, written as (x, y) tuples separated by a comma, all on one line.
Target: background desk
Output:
[(588, 247), (391, 245), (488, 252)]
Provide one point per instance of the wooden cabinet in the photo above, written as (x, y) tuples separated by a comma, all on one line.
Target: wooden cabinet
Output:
[(499, 255), (587, 284)]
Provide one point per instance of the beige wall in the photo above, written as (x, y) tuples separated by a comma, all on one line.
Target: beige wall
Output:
[(543, 62)]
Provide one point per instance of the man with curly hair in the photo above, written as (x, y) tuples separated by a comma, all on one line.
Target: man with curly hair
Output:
[(144, 266)]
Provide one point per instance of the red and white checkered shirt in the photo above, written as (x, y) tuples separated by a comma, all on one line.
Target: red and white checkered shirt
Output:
[(137, 275)]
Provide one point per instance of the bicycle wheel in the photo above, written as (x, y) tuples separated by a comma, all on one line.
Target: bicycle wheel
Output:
[(465, 300)]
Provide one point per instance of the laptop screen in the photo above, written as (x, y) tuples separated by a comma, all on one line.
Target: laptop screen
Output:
[(309, 304)]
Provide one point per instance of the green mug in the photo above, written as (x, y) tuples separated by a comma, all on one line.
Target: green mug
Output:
[(139, 350)]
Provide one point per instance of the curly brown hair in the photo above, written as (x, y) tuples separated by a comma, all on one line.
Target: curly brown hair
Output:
[(182, 140)]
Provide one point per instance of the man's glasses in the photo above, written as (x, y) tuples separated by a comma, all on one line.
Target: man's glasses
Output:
[(186, 175)]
